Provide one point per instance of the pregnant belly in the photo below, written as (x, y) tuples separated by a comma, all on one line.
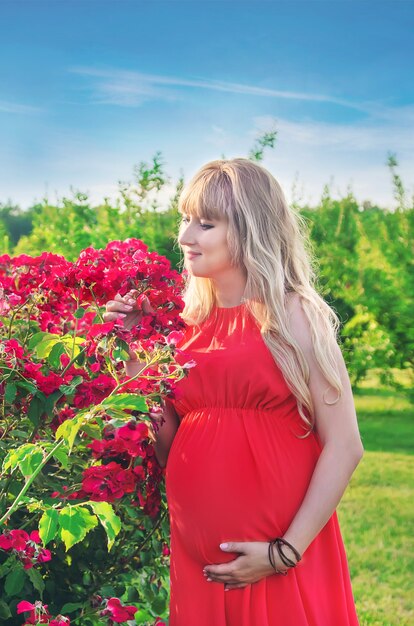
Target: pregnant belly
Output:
[(234, 475)]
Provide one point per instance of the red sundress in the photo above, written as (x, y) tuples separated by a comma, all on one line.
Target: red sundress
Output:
[(237, 472)]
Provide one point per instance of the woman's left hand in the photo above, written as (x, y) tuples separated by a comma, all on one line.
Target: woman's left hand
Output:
[(251, 566)]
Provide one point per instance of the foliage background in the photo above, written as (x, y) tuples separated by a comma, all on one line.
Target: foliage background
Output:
[(365, 259), (365, 253)]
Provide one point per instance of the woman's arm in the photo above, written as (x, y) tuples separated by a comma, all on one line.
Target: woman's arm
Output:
[(126, 307), (168, 429), (166, 433), (337, 429)]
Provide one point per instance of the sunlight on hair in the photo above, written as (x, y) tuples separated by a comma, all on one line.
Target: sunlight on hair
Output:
[(270, 240)]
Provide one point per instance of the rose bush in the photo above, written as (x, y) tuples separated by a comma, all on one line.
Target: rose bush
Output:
[(83, 520)]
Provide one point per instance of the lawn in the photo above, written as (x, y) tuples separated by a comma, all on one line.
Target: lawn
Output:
[(377, 510)]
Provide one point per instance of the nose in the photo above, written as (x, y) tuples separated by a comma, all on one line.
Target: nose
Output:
[(185, 237)]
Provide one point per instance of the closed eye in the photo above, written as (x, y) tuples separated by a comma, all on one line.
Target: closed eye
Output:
[(184, 220)]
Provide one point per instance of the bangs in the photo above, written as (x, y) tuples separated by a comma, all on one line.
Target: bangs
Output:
[(208, 198)]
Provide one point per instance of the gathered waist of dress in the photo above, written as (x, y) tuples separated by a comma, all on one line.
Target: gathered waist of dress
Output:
[(237, 409)]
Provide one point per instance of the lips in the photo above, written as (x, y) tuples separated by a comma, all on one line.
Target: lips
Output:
[(192, 254)]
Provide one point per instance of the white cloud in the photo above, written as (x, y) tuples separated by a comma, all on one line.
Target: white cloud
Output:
[(344, 155), (16, 107), (122, 88), (371, 135), (353, 153), (129, 88)]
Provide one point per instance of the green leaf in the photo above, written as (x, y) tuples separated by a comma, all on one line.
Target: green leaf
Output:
[(44, 348), (34, 505), (48, 525), (71, 607), (55, 354), (121, 350), (61, 455), (36, 579), (120, 343), (51, 401), (27, 457), (107, 591), (28, 386), (118, 417), (75, 523), (80, 359), (14, 581), (36, 409), (69, 429), (19, 434), (30, 462), (70, 339), (109, 520), (72, 343), (10, 392), (119, 354), (159, 605), (126, 401), (39, 337), (142, 615), (68, 390), (93, 430), (79, 313), (5, 612), (6, 567)]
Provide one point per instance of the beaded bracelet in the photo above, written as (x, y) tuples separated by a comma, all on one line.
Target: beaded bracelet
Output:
[(279, 541)]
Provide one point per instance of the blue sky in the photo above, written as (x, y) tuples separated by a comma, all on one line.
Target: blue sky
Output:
[(90, 88)]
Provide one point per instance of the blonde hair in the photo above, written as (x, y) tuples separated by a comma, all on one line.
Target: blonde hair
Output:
[(266, 237)]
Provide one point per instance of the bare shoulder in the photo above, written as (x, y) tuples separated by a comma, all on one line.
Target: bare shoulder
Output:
[(335, 421)]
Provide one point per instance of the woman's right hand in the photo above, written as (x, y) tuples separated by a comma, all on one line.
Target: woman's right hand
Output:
[(128, 309)]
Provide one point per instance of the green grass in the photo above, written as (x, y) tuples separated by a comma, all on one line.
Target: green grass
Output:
[(377, 510)]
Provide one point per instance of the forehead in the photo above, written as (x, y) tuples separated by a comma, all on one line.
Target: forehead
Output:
[(204, 201), (201, 212)]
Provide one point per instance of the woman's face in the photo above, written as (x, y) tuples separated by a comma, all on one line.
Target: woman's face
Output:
[(208, 239)]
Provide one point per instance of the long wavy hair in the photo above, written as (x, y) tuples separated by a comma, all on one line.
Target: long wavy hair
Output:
[(270, 240)]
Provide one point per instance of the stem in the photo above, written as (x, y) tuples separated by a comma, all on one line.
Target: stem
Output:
[(157, 525), (28, 324), (15, 312), (97, 305), (8, 428), (112, 370), (11, 370), (74, 335), (11, 322), (74, 621), (71, 362), (125, 382), (15, 504)]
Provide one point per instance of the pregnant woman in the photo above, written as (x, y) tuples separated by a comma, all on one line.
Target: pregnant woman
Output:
[(261, 438)]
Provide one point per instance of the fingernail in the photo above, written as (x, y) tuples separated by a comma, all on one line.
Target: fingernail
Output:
[(131, 301), (121, 315), (129, 307)]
